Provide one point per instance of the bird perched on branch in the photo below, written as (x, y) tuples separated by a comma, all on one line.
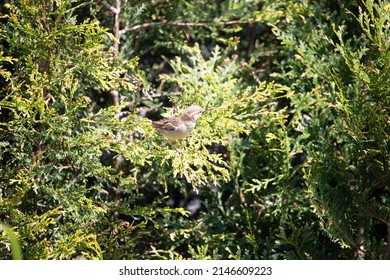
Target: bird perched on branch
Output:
[(179, 127)]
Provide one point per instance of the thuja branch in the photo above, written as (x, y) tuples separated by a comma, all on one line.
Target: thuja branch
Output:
[(187, 24)]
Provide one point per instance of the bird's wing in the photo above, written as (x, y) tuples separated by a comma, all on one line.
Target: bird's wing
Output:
[(170, 124)]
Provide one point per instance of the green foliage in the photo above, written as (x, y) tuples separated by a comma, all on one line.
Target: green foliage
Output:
[(348, 182), (13, 242), (289, 161), (54, 187)]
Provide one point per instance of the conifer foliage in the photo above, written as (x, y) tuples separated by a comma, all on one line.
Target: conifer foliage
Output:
[(289, 161)]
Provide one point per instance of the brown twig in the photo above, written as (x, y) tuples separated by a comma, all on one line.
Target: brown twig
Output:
[(186, 24), (117, 27), (7, 131), (109, 7), (373, 214), (350, 242)]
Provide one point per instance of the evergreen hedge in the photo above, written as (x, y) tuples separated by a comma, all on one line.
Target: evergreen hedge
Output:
[(290, 160)]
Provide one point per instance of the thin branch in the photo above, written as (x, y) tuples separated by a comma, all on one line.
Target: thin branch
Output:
[(117, 27), (114, 94), (351, 242), (188, 24), (140, 26), (8, 132), (373, 214), (109, 7)]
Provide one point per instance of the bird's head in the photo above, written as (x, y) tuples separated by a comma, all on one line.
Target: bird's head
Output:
[(194, 112)]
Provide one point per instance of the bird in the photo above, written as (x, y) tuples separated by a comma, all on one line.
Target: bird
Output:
[(178, 128)]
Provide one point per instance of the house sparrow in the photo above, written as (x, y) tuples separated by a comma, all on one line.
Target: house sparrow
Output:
[(179, 127)]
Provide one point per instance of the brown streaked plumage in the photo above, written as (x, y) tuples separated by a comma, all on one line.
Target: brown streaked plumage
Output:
[(179, 127)]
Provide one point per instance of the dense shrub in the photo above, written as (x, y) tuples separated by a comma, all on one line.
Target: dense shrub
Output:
[(290, 160)]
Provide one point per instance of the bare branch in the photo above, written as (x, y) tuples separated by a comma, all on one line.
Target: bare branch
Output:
[(7, 131), (109, 7), (188, 24), (117, 27), (140, 26)]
